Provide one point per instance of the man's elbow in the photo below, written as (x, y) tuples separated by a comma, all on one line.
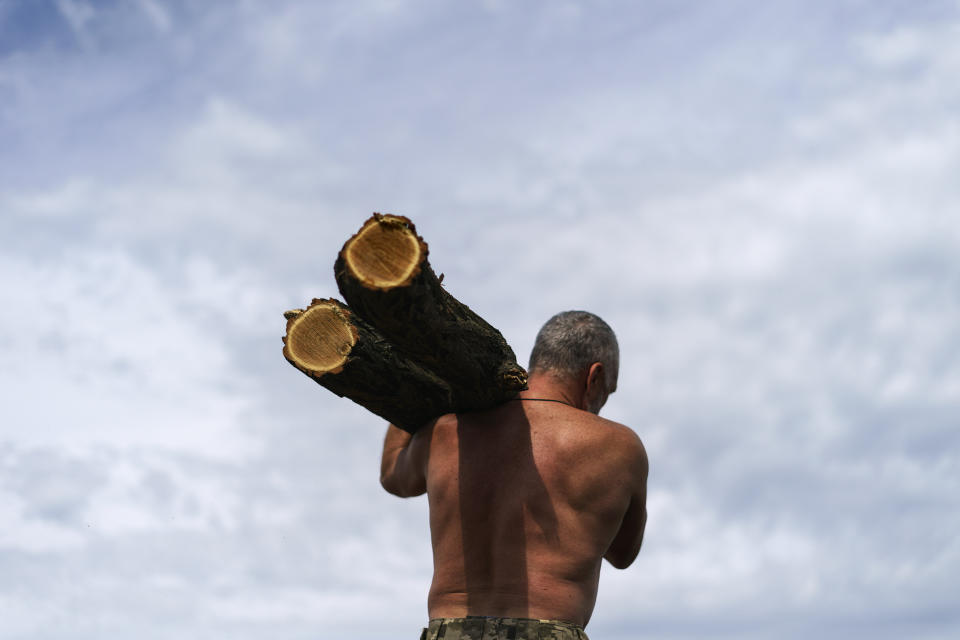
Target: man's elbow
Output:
[(622, 552), (622, 560), (387, 485), (392, 486)]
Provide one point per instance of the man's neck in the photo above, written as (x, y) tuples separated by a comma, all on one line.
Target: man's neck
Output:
[(547, 386)]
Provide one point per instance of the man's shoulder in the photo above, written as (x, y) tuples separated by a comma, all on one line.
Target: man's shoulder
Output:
[(443, 423), (579, 428), (627, 443), (608, 430), (616, 444), (580, 435), (438, 429)]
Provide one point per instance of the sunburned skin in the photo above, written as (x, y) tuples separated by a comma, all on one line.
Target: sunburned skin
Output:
[(525, 501)]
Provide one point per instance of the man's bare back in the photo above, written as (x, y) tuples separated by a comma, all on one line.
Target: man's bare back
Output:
[(527, 499)]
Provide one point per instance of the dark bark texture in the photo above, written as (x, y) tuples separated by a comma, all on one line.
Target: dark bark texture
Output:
[(379, 377), (438, 331)]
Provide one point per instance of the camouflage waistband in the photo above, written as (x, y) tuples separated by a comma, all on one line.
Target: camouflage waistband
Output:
[(485, 628)]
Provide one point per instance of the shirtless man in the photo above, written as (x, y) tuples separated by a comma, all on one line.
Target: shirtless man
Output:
[(527, 498)]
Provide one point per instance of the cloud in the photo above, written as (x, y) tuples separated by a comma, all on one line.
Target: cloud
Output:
[(77, 14), (159, 17), (765, 212), (95, 338)]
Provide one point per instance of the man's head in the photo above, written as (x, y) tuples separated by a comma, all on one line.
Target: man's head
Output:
[(578, 346)]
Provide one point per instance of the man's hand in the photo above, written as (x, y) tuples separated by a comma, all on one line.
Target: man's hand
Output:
[(403, 469)]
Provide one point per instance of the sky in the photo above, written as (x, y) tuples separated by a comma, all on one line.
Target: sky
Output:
[(761, 198)]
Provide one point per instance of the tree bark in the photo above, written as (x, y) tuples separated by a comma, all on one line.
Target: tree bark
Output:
[(334, 347), (384, 276)]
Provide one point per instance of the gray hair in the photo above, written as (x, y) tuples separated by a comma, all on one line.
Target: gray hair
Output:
[(571, 341)]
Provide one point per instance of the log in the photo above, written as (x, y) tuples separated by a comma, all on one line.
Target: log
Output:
[(385, 277), (331, 345)]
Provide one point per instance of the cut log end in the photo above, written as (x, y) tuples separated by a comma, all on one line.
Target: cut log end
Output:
[(385, 253), (320, 339)]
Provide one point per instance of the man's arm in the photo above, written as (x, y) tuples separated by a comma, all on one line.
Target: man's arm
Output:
[(403, 468), (626, 544)]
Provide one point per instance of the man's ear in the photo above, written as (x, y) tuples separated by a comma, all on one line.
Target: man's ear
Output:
[(595, 393), (597, 378), (597, 375)]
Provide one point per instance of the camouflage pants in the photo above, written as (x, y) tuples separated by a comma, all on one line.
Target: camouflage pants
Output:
[(483, 628)]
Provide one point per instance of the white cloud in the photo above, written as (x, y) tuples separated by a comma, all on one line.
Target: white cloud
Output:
[(59, 202), (160, 496), (227, 131), (158, 16), (78, 14), (100, 352), (24, 534), (774, 240), (929, 44)]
